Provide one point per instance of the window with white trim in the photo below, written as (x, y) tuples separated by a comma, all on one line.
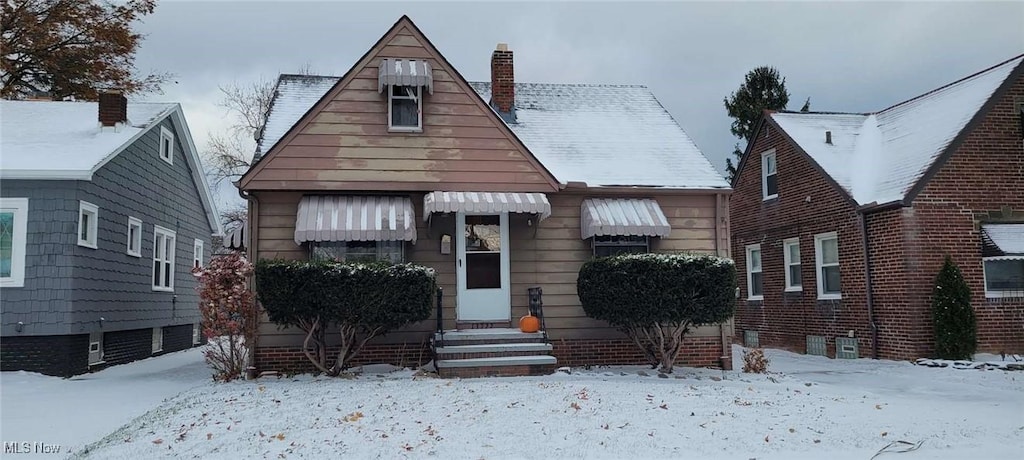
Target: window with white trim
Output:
[(791, 259), (769, 176), (609, 245), (358, 251), (166, 145), (755, 278), (13, 236), (158, 339), (163, 259), (88, 224), (197, 253), (826, 261), (197, 333), (405, 108), (1004, 276), (134, 237)]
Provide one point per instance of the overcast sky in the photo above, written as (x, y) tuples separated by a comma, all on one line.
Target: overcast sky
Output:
[(861, 56)]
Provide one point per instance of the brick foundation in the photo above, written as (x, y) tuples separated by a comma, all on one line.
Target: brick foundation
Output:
[(177, 338), (59, 355), (292, 360), (126, 346)]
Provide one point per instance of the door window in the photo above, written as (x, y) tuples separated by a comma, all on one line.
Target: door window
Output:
[(483, 252)]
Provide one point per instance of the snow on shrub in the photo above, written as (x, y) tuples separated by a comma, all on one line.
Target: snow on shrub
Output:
[(228, 313), (955, 329), (361, 300), (657, 298)]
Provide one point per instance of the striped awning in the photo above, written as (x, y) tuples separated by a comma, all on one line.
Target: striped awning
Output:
[(486, 202), (622, 217), (1002, 240), (355, 218), (404, 72), (236, 238)]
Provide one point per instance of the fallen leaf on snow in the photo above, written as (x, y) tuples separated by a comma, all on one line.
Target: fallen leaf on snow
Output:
[(158, 441), (280, 436), (209, 436), (664, 406)]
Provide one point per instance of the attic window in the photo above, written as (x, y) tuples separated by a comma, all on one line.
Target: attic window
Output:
[(769, 176), (166, 145), (405, 109)]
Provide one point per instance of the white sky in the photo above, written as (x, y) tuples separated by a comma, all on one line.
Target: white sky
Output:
[(845, 56)]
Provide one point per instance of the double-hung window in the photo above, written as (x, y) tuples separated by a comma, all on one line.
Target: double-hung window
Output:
[(791, 256), (755, 279), (769, 176), (405, 108), (826, 255), (88, 217), (163, 259), (13, 235)]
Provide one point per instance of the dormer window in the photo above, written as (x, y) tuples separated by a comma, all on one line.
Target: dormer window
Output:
[(405, 108), (405, 80)]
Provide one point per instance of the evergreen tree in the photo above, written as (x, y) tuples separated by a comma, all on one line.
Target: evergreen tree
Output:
[(762, 89), (955, 329), (807, 106)]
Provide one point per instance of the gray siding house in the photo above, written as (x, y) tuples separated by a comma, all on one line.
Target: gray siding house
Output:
[(104, 211)]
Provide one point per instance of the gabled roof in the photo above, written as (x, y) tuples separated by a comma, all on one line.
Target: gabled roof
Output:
[(607, 135), (63, 141), (603, 135), (886, 156)]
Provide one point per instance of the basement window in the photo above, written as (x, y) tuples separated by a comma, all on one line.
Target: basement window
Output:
[(405, 109), (1004, 276)]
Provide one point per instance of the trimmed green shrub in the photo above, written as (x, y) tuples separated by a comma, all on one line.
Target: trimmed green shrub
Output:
[(955, 328), (656, 298), (361, 300)]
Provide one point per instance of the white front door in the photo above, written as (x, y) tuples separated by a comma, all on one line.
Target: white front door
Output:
[(482, 267)]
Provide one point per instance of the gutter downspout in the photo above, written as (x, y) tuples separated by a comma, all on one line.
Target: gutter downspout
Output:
[(725, 359), (867, 285), (250, 252)]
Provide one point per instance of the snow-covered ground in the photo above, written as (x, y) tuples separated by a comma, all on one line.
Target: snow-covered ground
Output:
[(71, 413), (809, 408)]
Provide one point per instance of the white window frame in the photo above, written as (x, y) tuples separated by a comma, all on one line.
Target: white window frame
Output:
[(818, 266), (158, 339), (764, 175), (135, 242), (197, 253), (419, 109), (998, 294), (85, 207), (166, 145), (197, 333), (789, 262), (750, 272), (19, 206), (167, 261)]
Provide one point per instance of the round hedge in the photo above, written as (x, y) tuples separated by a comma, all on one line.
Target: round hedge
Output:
[(638, 290)]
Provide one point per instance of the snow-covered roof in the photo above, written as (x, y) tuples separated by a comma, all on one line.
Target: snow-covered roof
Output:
[(607, 135), (293, 97), (64, 139), (602, 135), (879, 157)]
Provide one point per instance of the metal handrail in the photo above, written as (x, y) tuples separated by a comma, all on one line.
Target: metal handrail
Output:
[(440, 318), (536, 306)]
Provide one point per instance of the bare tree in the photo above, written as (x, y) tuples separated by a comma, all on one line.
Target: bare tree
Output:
[(230, 154)]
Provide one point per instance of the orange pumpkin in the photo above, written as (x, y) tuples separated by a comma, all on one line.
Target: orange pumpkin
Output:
[(529, 323)]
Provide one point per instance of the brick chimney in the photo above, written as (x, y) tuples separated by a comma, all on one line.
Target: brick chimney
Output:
[(503, 81), (113, 108)]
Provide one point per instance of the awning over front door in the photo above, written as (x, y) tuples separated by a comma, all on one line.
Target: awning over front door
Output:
[(487, 203), (355, 218), (622, 217), (1002, 240)]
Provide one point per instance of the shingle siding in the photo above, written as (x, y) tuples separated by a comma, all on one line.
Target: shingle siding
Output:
[(43, 303)]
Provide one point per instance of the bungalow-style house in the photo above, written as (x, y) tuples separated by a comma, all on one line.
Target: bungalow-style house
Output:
[(104, 211), (499, 186), (841, 221)]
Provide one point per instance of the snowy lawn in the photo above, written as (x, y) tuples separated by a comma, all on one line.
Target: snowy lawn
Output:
[(810, 408), (74, 412)]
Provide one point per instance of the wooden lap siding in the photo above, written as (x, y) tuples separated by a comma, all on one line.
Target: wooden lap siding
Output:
[(550, 259)]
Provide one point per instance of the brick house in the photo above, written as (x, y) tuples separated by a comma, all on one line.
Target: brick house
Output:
[(499, 186), (841, 221)]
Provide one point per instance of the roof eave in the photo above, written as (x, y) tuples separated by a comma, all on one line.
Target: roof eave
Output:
[(43, 174)]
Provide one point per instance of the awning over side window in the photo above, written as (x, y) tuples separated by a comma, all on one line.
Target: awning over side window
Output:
[(405, 72), (487, 202), (1002, 240), (622, 216), (236, 239), (355, 218)]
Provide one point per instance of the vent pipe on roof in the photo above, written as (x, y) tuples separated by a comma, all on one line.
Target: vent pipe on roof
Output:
[(113, 108), (828, 137)]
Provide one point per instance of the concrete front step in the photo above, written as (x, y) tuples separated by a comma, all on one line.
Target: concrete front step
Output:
[(510, 366), (491, 350), (487, 336)]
